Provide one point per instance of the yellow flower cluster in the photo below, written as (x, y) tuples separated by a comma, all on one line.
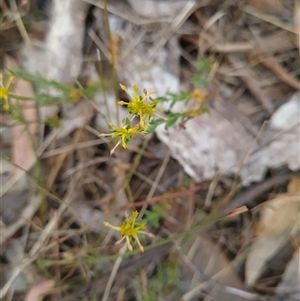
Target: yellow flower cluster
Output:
[(139, 106), (129, 230)]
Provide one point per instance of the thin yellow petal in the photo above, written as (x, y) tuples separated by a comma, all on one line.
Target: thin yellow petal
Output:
[(6, 104), (136, 89), (124, 142), (152, 91), (128, 243), (107, 224), (123, 88), (146, 233), (142, 123), (113, 150), (138, 242)]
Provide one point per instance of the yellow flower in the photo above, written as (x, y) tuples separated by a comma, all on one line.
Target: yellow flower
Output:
[(140, 106), (75, 94), (199, 95), (126, 133), (129, 230), (4, 91)]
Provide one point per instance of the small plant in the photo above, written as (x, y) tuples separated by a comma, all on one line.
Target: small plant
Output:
[(144, 107)]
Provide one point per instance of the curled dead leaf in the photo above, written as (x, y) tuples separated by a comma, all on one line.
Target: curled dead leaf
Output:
[(279, 220)]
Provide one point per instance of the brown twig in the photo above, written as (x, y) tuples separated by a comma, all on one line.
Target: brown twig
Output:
[(271, 63), (159, 198), (254, 191)]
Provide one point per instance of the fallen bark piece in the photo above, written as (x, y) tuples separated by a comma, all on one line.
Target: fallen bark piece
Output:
[(280, 145)]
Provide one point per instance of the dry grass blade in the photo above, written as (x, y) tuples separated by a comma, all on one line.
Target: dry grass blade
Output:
[(270, 19), (113, 274)]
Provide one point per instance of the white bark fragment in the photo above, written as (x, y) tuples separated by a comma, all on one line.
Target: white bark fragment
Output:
[(281, 143)]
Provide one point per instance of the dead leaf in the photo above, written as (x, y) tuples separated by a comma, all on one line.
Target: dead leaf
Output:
[(203, 267), (277, 222), (212, 270), (272, 7), (38, 290)]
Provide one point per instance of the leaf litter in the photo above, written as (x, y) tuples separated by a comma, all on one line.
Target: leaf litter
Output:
[(207, 244)]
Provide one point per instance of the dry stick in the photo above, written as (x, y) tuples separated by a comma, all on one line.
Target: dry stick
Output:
[(113, 274), (211, 190), (156, 199), (19, 22), (254, 191), (69, 148), (222, 47), (188, 9), (269, 19), (148, 181), (271, 63)]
